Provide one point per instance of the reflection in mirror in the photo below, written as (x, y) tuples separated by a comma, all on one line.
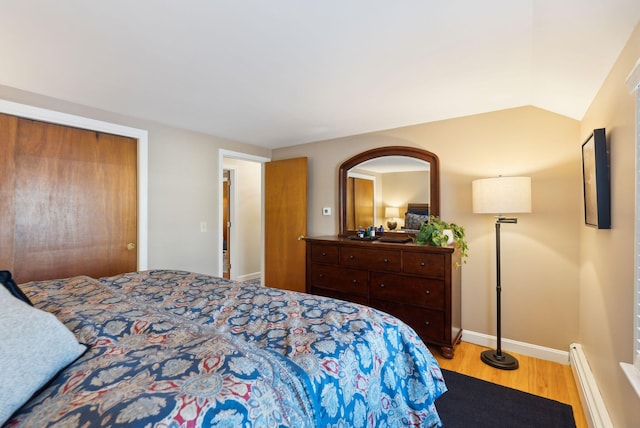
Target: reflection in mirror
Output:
[(381, 183), (361, 199), (388, 180)]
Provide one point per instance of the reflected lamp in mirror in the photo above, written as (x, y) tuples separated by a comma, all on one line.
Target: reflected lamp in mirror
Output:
[(392, 213)]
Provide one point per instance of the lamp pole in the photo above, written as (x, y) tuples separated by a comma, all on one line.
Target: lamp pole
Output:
[(497, 358)]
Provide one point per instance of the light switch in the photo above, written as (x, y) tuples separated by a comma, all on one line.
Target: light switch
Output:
[(326, 211)]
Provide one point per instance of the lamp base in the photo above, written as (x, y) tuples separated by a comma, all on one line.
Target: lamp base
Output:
[(391, 225), (503, 361)]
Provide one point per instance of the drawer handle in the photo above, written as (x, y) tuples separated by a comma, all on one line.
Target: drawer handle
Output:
[(324, 254), (427, 291), (381, 285), (386, 260), (354, 281), (321, 275), (421, 263), (351, 257), (426, 323)]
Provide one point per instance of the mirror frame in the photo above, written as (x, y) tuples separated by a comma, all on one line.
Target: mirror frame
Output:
[(413, 152)]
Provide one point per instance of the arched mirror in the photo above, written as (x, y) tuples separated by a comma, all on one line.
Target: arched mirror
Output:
[(388, 185)]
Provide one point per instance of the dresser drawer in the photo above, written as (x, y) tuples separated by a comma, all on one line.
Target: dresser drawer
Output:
[(347, 297), (426, 264), (407, 289), (429, 324), (353, 281), (324, 253), (374, 259)]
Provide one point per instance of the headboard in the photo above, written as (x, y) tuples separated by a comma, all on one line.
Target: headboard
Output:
[(416, 208), (417, 213)]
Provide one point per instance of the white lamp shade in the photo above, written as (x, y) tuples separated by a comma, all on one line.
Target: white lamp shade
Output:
[(391, 212), (502, 195)]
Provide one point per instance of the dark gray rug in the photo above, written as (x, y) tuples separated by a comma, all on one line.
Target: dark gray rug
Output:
[(472, 402)]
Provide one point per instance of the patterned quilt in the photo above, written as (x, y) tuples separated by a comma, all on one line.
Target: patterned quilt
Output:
[(178, 349)]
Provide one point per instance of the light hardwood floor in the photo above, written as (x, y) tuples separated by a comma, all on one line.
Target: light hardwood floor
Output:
[(544, 378)]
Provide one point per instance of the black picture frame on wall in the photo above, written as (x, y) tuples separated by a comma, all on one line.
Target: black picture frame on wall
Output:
[(595, 179)]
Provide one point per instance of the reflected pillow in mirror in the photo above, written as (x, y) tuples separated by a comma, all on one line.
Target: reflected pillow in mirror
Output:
[(414, 221)]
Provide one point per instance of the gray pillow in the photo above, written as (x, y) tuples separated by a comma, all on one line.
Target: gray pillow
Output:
[(34, 347)]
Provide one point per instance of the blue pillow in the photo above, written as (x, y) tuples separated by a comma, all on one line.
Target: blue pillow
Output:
[(414, 221)]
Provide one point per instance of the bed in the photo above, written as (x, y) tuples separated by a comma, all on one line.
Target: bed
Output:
[(167, 348)]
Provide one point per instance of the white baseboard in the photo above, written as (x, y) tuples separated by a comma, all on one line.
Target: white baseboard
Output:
[(523, 348), (592, 402), (249, 276)]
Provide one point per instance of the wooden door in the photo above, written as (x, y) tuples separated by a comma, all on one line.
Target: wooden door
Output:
[(72, 201), (285, 221), (359, 203)]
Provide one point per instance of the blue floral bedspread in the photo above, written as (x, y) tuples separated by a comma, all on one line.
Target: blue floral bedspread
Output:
[(178, 349)]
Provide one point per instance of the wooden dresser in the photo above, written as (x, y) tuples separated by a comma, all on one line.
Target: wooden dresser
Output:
[(419, 284)]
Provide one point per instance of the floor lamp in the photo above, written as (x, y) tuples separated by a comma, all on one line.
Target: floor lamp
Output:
[(499, 196)]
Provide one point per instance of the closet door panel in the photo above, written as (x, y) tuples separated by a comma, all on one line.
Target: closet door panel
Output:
[(75, 202), (8, 138)]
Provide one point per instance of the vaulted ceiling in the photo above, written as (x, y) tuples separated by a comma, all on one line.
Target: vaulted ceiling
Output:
[(284, 72)]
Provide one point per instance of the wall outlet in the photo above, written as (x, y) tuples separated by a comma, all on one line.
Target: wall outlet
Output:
[(326, 211)]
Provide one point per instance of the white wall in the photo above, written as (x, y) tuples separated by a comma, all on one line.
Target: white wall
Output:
[(183, 185)]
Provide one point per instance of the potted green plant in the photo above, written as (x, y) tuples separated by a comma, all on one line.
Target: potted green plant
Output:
[(436, 232)]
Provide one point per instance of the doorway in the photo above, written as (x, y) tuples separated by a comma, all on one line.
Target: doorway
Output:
[(241, 240), (226, 223)]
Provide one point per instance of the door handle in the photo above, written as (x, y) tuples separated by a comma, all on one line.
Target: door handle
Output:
[(131, 246), (301, 237)]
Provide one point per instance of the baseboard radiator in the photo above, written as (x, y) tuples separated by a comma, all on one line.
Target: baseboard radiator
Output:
[(592, 402)]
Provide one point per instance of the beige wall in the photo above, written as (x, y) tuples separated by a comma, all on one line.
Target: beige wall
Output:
[(540, 254), (607, 256)]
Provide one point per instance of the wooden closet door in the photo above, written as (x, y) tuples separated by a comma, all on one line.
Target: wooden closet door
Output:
[(8, 139), (74, 202)]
